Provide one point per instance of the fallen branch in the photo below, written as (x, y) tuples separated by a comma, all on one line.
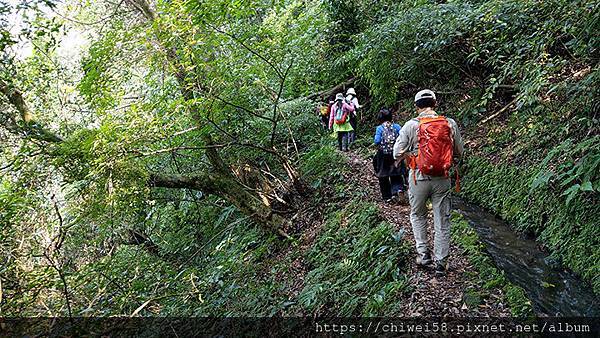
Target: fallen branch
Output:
[(326, 92), (185, 131), (175, 149), (30, 127), (141, 307), (498, 112), (321, 94)]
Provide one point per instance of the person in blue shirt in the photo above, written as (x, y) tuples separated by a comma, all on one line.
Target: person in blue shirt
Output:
[(390, 174)]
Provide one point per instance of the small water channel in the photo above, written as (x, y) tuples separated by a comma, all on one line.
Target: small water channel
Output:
[(552, 290)]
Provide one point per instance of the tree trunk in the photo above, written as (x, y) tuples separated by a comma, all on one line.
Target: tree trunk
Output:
[(222, 181), (27, 126), (227, 186)]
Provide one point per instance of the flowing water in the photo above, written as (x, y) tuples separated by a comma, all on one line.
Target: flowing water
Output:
[(552, 290)]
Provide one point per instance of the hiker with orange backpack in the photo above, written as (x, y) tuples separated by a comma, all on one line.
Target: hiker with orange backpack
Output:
[(390, 175), (431, 144), (339, 121)]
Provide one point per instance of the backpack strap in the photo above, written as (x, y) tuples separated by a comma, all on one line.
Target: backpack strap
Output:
[(411, 160), (415, 176), (457, 187)]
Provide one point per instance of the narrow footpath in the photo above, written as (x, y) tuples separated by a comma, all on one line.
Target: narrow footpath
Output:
[(443, 296)]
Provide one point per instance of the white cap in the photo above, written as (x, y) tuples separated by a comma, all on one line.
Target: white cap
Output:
[(350, 91), (339, 96), (425, 94)]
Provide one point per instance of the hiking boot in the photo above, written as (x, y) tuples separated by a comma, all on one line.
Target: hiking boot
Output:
[(423, 259), (440, 268)]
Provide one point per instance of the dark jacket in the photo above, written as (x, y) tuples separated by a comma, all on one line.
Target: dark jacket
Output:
[(384, 164)]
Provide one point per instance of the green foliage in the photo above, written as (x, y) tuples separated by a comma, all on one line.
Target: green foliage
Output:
[(537, 166), (201, 267), (476, 44), (99, 84), (300, 29), (411, 45), (358, 265), (323, 165), (573, 168), (488, 277), (211, 261), (12, 203), (21, 278)]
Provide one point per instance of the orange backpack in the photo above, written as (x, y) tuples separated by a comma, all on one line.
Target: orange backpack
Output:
[(341, 115), (436, 147)]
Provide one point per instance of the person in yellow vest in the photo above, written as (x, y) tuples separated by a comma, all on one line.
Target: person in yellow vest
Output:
[(339, 120)]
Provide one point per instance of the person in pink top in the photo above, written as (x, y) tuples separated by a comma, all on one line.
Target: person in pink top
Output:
[(339, 120)]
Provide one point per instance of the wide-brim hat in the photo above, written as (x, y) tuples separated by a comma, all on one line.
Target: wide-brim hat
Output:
[(350, 91), (339, 96)]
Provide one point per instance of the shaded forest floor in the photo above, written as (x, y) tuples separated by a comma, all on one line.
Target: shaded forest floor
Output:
[(467, 290), (431, 295)]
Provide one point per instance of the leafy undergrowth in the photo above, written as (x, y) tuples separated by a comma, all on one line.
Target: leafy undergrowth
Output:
[(358, 265), (355, 265), (351, 261), (488, 277)]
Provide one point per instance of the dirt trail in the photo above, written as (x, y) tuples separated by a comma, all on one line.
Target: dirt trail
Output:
[(431, 296)]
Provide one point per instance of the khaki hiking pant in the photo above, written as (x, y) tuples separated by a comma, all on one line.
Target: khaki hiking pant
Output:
[(438, 189)]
